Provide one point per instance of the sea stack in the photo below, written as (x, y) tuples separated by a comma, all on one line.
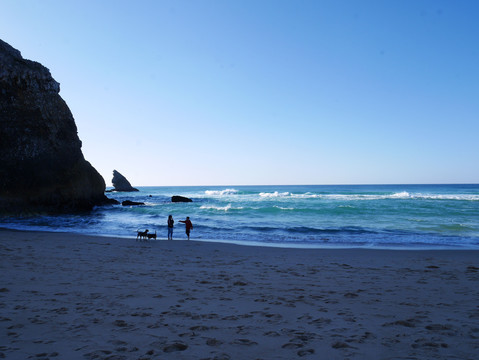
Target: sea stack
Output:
[(120, 183), (42, 168)]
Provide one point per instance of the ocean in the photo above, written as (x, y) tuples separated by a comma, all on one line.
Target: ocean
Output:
[(313, 216)]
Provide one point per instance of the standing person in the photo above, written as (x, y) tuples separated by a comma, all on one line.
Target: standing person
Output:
[(171, 222), (189, 226)]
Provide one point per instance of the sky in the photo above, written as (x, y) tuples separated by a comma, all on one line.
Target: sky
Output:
[(260, 92)]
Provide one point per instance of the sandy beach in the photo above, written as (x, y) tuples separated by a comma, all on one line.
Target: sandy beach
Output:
[(67, 296)]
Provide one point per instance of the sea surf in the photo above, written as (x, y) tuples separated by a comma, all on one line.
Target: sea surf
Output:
[(313, 216)]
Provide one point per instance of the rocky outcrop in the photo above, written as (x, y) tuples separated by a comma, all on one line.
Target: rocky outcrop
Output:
[(177, 198), (131, 203), (120, 183), (42, 167)]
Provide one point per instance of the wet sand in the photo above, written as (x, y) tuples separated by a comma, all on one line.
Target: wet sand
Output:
[(67, 296)]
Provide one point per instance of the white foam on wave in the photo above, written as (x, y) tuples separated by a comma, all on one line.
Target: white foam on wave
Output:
[(466, 197), (283, 208), (220, 208), (306, 196), (400, 195), (274, 194), (221, 192)]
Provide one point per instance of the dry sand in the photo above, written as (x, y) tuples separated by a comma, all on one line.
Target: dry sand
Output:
[(65, 296)]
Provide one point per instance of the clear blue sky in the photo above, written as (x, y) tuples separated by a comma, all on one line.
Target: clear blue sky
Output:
[(264, 92)]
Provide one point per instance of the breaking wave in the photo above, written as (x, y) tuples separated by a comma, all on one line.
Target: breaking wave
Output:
[(274, 194), (221, 192), (220, 208)]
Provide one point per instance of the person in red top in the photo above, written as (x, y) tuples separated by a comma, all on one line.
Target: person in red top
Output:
[(189, 226)]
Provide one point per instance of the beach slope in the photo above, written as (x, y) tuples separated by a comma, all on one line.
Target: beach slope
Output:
[(70, 296)]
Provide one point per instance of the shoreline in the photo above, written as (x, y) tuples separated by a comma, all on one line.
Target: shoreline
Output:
[(88, 297), (279, 245)]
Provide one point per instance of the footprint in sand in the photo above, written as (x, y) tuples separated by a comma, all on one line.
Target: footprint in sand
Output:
[(424, 343), (439, 327), (213, 342), (407, 323), (292, 345), (120, 323), (98, 354), (350, 295), (177, 346), (244, 342), (305, 352), (340, 345)]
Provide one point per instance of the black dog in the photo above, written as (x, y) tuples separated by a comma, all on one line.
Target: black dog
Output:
[(142, 235), (151, 236)]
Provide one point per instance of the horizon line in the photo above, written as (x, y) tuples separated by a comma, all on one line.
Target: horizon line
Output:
[(343, 184)]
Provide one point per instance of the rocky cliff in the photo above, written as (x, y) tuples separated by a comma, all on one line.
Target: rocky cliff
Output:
[(42, 167)]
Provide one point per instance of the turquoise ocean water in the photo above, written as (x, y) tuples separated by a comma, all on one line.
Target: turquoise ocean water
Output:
[(369, 216)]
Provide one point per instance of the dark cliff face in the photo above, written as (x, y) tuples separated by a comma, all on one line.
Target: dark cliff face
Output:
[(42, 167)]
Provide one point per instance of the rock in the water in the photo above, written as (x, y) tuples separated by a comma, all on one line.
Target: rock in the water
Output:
[(42, 168), (120, 183), (129, 202), (177, 198)]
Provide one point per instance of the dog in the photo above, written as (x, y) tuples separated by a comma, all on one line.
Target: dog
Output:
[(151, 236), (142, 235)]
